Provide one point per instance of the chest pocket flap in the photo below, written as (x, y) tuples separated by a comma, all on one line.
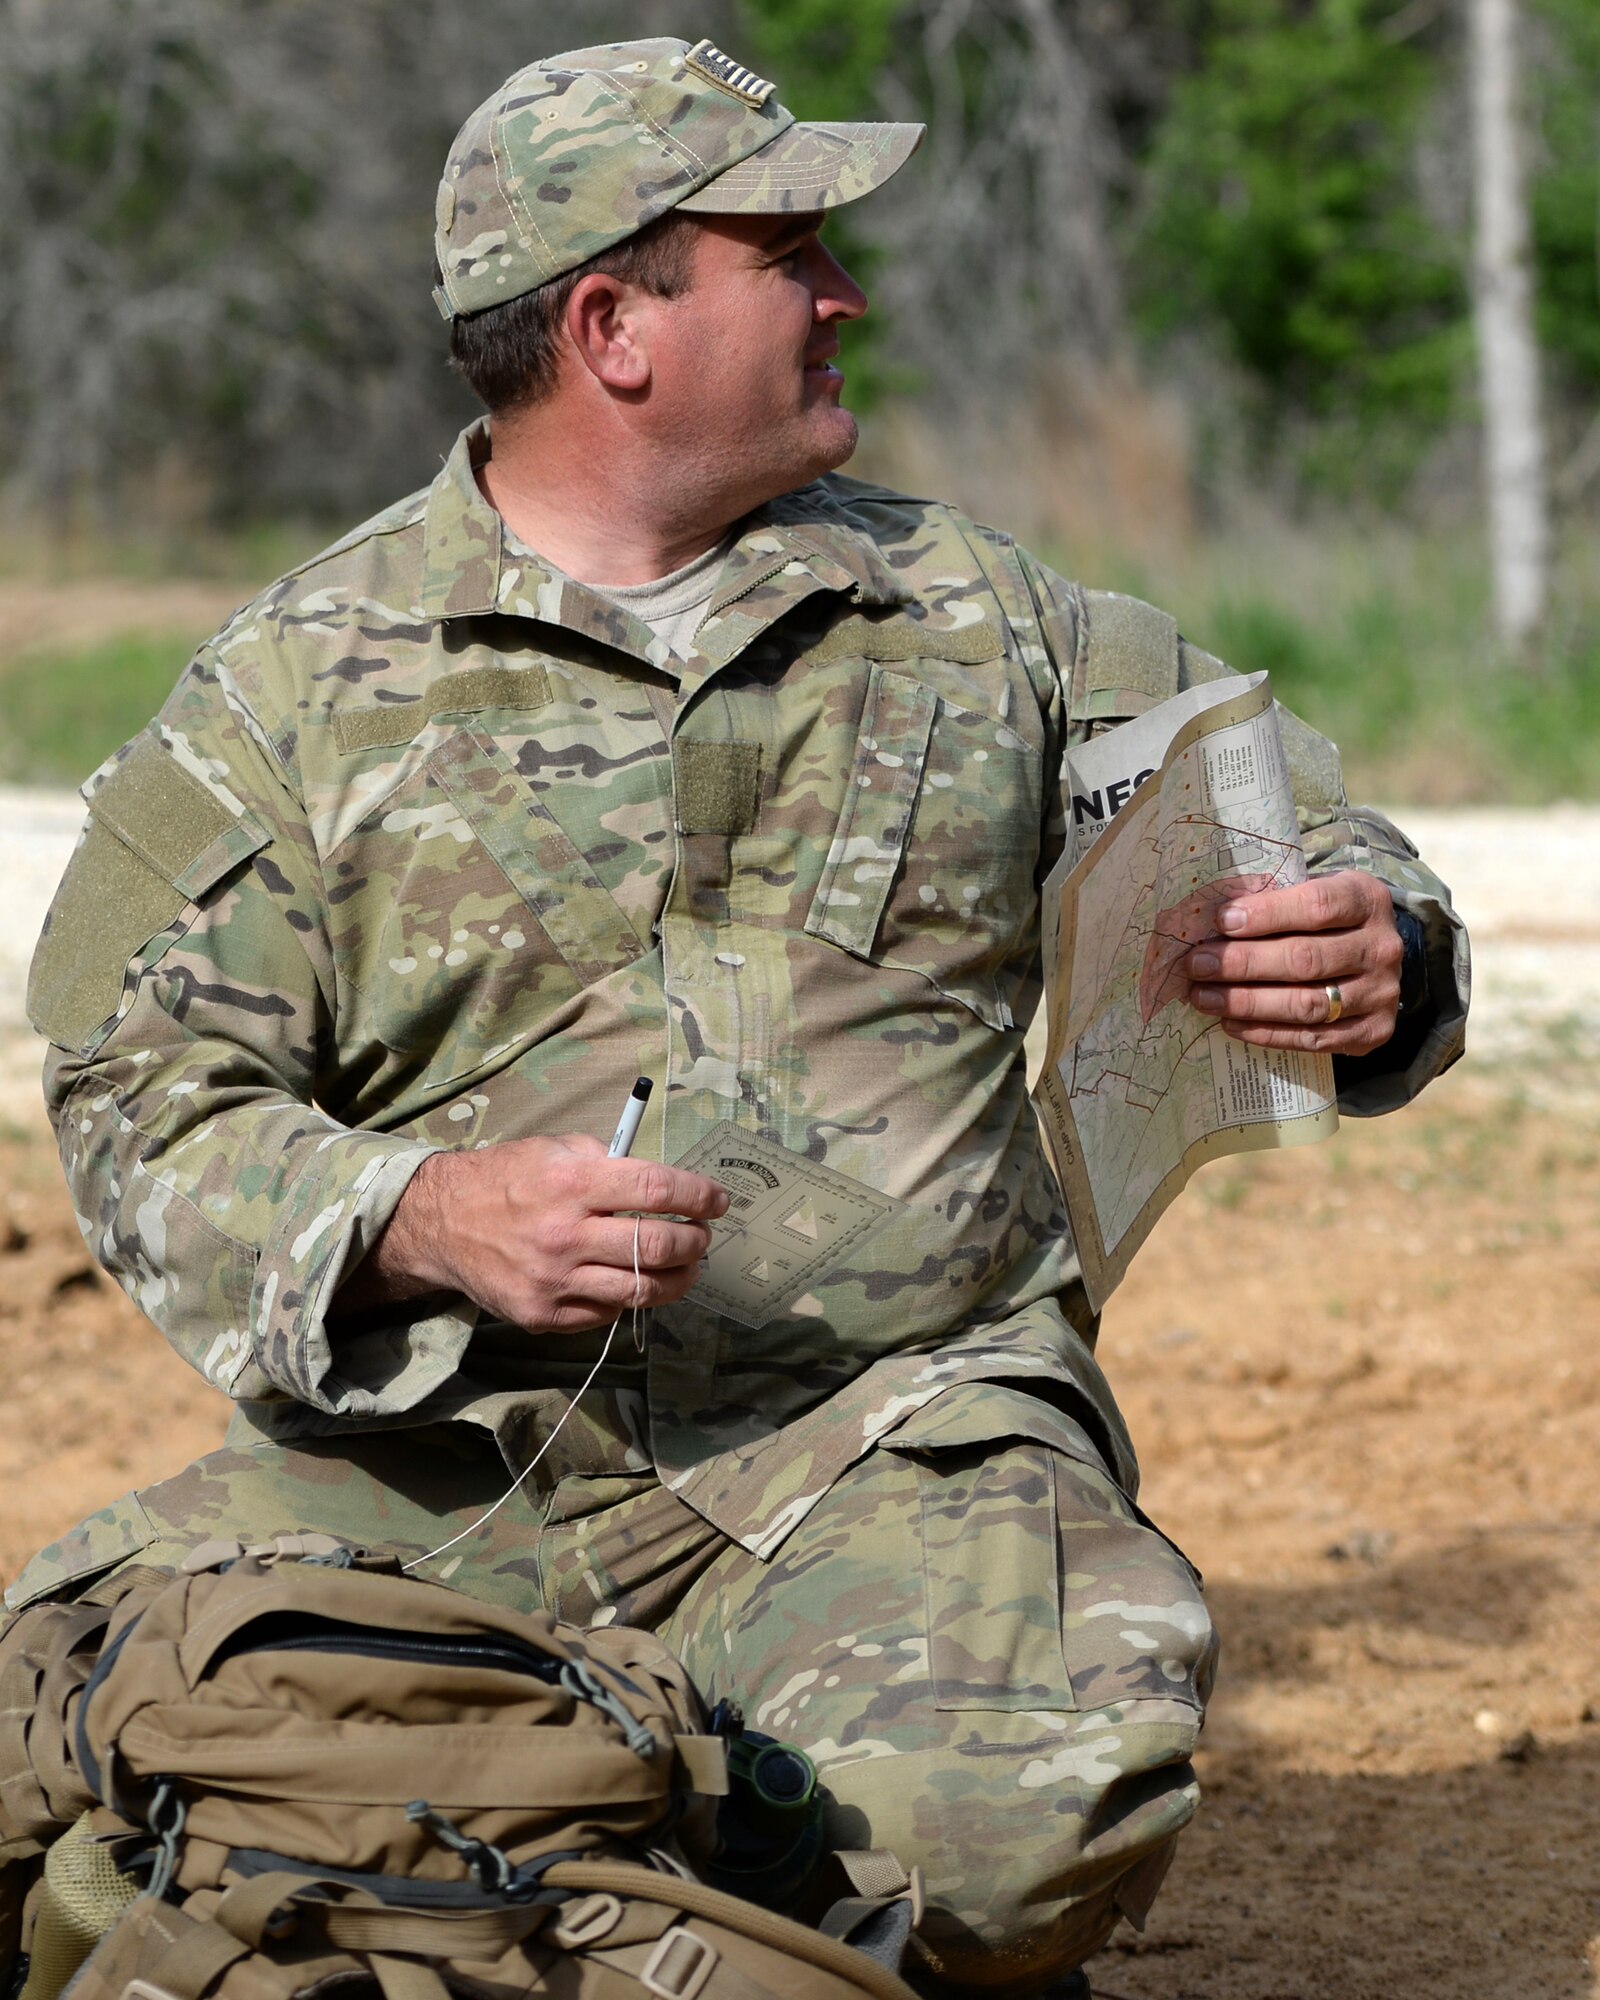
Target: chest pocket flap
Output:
[(576, 911), (891, 750), (932, 868)]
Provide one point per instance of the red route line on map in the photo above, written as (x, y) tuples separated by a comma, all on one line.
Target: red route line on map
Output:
[(1285, 847), (1075, 1090)]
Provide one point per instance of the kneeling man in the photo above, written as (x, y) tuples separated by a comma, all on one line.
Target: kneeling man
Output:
[(641, 743)]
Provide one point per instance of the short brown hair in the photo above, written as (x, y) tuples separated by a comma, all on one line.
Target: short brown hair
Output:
[(507, 354)]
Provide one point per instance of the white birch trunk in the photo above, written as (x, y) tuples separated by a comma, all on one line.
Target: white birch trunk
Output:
[(1508, 355)]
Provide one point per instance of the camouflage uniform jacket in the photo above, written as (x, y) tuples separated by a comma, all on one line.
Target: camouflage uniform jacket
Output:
[(429, 849)]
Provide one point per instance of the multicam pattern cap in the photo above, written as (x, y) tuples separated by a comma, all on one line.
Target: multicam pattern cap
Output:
[(578, 151)]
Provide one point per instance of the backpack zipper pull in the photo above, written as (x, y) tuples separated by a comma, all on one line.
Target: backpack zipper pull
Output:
[(583, 1686), (490, 1866), (165, 1820)]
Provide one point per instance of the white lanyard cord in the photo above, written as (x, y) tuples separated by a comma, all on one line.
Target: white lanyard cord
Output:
[(555, 1432)]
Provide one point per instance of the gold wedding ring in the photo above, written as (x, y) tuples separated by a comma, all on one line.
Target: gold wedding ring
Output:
[(1335, 1003)]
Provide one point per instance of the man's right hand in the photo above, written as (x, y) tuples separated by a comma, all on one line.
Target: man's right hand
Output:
[(540, 1232)]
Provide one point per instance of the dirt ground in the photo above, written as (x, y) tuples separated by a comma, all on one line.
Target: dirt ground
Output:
[(1366, 1389), (42, 617)]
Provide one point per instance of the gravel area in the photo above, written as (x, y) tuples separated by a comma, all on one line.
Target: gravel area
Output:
[(1527, 881)]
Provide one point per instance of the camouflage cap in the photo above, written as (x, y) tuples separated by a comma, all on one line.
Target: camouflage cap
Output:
[(578, 151)]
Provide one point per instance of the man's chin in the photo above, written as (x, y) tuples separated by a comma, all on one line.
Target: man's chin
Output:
[(842, 436), (824, 448)]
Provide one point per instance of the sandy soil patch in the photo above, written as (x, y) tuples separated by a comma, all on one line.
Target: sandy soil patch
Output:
[(1365, 1387)]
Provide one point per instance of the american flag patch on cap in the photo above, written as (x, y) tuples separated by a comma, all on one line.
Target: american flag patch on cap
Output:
[(726, 74)]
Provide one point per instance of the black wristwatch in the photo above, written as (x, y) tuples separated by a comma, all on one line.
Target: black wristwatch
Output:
[(1413, 964)]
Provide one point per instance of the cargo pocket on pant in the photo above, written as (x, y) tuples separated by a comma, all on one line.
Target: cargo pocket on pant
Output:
[(989, 1460), (993, 1580), (1046, 1588)]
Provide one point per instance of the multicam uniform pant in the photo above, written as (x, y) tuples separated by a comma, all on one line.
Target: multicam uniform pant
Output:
[(997, 1664)]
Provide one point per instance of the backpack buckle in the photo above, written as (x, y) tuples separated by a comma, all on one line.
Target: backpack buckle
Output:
[(584, 1923), (679, 1966)]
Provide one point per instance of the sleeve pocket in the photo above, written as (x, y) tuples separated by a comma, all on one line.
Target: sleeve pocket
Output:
[(156, 841)]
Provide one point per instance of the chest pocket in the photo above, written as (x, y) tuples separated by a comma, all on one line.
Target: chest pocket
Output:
[(932, 866), (468, 914)]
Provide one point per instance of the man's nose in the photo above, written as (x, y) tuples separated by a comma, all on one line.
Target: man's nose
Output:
[(835, 294)]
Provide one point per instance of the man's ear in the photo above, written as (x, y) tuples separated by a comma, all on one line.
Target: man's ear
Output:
[(607, 323)]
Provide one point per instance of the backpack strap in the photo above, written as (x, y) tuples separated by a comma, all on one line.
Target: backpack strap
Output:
[(884, 1909), (875, 1872), (1130, 656), (627, 1879), (443, 1934), (40, 1793), (242, 1925), (196, 1959), (406, 1978)]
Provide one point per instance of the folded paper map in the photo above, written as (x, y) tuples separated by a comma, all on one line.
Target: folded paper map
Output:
[(1184, 809)]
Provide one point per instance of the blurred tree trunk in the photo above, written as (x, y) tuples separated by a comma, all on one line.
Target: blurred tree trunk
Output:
[(1508, 355)]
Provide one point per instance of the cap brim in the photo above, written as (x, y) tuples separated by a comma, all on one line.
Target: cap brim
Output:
[(808, 167)]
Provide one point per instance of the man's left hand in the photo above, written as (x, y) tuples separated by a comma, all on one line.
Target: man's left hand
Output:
[(1269, 972)]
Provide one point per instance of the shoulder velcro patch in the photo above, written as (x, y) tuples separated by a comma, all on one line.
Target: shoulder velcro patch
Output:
[(391, 723), (1314, 762), (169, 818), (1131, 655), (858, 638), (156, 841)]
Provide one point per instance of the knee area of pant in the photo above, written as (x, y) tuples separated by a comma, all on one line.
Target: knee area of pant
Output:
[(1025, 1864), (943, 1964)]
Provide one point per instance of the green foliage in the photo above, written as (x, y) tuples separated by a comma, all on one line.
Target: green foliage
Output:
[(138, 184), (827, 57), (1564, 98), (1384, 644), (1281, 211), (62, 714), (1401, 683), (157, 229)]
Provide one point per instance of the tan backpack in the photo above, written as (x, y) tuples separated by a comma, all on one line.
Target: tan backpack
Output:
[(321, 1772), (47, 1652)]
